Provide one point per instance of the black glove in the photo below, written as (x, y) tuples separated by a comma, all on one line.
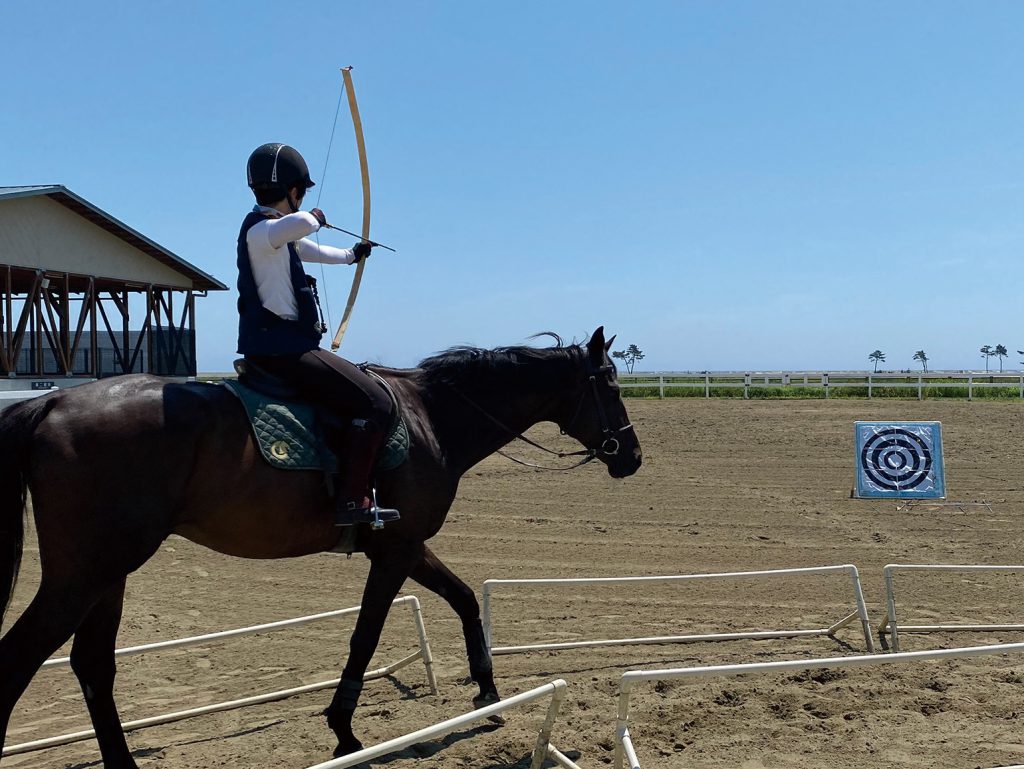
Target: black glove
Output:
[(361, 250), (319, 216)]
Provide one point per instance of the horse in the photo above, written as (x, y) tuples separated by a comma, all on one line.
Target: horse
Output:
[(115, 466)]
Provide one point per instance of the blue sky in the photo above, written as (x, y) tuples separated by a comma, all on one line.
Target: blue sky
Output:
[(727, 185)]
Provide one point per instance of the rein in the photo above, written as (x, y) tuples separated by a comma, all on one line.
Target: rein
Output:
[(609, 446)]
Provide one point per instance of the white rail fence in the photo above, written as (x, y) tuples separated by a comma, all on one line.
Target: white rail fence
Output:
[(624, 746), (890, 625), (423, 653), (543, 748), (859, 613), (827, 381)]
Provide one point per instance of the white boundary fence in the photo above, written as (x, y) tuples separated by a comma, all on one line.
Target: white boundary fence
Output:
[(624, 742), (890, 626), (706, 381), (860, 612), (422, 654), (543, 748)]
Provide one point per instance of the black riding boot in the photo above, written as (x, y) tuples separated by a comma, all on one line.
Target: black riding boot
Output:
[(357, 456)]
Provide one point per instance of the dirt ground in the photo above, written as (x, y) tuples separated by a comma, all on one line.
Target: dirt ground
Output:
[(726, 486)]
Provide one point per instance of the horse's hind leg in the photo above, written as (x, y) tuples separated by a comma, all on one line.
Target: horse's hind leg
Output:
[(437, 578), (50, 619), (92, 659)]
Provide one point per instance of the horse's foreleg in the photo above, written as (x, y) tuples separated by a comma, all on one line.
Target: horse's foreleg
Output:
[(388, 572), (92, 659), (48, 622), (437, 578)]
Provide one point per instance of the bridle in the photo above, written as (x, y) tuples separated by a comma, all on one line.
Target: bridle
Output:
[(610, 445)]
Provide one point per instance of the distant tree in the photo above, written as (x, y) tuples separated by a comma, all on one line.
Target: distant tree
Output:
[(987, 352), (1000, 352), (629, 356), (877, 356), (922, 358)]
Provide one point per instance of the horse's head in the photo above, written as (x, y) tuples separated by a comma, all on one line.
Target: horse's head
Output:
[(596, 416)]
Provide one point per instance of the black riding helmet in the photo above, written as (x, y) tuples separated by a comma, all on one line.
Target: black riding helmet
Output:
[(277, 167)]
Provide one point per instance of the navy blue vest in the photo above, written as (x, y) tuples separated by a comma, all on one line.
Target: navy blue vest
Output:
[(262, 332)]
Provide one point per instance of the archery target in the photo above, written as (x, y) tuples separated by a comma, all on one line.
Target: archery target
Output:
[(899, 459)]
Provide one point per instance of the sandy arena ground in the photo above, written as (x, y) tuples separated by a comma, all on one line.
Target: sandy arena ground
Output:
[(725, 486)]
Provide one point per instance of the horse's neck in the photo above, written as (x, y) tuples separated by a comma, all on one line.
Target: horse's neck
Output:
[(481, 422)]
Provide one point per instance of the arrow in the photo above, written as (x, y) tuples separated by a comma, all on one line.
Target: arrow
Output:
[(373, 243)]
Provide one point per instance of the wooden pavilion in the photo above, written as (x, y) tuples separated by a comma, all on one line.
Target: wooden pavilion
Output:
[(68, 274)]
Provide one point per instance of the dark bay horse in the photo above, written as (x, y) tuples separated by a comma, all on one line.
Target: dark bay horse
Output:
[(117, 465)]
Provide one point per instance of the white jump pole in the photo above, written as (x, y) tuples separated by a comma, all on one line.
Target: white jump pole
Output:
[(543, 748), (859, 613), (423, 654), (631, 678), (890, 626)]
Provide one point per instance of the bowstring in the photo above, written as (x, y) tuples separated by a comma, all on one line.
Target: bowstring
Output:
[(323, 180)]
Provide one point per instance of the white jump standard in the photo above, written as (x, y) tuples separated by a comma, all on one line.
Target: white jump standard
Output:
[(624, 748), (889, 625), (422, 654), (543, 749), (859, 612)]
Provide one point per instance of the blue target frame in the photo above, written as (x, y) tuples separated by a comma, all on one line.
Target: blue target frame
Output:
[(899, 460)]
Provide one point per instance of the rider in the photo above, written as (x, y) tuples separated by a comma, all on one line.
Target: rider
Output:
[(280, 324)]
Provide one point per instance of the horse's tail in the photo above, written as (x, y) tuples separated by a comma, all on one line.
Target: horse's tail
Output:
[(17, 423)]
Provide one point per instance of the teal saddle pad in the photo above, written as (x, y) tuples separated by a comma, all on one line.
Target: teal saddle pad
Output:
[(290, 438)]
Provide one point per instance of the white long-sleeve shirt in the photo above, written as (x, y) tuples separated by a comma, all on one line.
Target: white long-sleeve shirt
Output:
[(268, 253)]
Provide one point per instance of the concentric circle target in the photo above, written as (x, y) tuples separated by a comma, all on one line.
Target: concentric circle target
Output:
[(896, 459)]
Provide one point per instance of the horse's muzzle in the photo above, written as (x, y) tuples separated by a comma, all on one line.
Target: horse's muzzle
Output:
[(624, 463)]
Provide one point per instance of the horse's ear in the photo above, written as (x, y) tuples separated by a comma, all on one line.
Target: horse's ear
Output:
[(596, 345), (609, 343)]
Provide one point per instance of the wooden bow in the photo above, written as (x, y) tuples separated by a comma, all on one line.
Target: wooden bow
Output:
[(364, 171)]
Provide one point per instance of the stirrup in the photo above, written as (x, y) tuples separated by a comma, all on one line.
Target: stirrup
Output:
[(381, 515), (374, 515)]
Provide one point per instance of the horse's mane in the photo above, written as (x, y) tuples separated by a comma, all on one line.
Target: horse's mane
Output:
[(463, 364)]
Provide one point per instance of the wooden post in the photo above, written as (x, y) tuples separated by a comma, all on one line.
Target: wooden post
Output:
[(65, 325), (37, 326), (193, 364), (126, 362), (5, 326), (92, 297), (152, 308)]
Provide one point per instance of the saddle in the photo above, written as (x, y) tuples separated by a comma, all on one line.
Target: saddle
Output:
[(290, 432)]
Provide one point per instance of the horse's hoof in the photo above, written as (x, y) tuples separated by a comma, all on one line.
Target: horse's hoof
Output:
[(346, 747), (483, 700)]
